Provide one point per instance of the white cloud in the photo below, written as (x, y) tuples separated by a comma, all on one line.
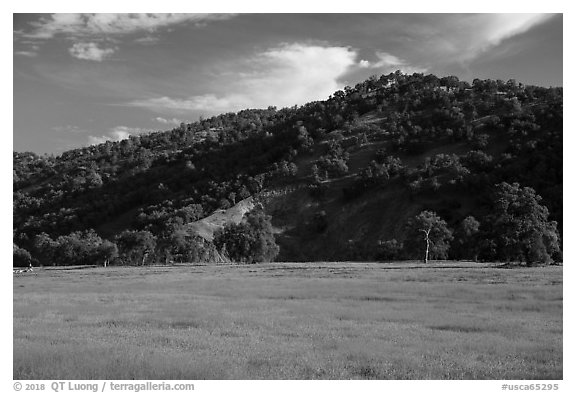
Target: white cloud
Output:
[(117, 133), (364, 64), (387, 63), (87, 25), (98, 27), (90, 51), (26, 53), (286, 75), (173, 121), (207, 102), (439, 39), (387, 60), (299, 73), (504, 26), (468, 36)]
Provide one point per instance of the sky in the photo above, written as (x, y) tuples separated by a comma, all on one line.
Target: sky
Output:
[(81, 79)]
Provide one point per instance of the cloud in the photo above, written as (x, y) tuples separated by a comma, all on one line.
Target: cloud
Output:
[(173, 121), (147, 40), (88, 25), (503, 26), (464, 38), (26, 53), (364, 64), (30, 51), (90, 51), (96, 140), (285, 75), (117, 133), (69, 129), (297, 73), (99, 27), (387, 63), (207, 102)]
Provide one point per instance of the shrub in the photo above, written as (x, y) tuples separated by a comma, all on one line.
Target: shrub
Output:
[(389, 250)]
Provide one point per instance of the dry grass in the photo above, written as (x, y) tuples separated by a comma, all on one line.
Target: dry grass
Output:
[(297, 321)]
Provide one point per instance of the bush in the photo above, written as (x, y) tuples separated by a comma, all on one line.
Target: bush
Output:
[(389, 250), (334, 163)]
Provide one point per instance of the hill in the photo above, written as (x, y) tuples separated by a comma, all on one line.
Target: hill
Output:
[(341, 178)]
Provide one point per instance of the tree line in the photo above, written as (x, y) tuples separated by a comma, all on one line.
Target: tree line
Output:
[(517, 229)]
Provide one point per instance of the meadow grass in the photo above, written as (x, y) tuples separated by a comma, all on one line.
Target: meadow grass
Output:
[(290, 321)]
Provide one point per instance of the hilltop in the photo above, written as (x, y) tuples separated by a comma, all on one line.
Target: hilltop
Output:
[(340, 178)]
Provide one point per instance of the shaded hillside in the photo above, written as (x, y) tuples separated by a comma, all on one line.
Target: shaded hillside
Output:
[(339, 177)]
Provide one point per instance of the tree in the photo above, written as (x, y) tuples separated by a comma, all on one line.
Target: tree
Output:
[(465, 245), (135, 246), (44, 247), (176, 244), (93, 179), (21, 257), (428, 234), (480, 141), (251, 241), (76, 248), (190, 213), (477, 160), (519, 227), (107, 252)]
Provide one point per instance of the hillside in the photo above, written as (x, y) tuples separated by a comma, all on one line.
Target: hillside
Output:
[(207, 226), (339, 177)]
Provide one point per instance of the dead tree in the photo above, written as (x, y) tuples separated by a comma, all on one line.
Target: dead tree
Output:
[(427, 238)]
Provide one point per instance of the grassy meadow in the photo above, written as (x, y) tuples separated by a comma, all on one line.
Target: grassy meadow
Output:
[(294, 321)]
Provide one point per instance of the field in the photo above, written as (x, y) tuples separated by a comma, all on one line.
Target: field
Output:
[(295, 321)]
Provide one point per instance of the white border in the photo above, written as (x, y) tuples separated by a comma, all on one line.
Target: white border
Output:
[(302, 6)]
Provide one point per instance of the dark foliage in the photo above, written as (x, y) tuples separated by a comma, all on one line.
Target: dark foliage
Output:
[(518, 228), (135, 247), (21, 257), (251, 241), (389, 250), (76, 248), (466, 240)]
